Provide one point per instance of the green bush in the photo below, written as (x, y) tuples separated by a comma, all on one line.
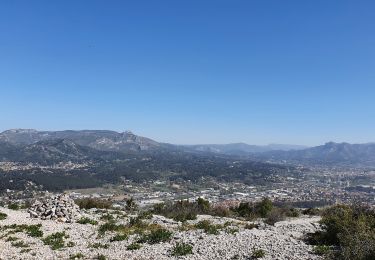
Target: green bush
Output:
[(11, 239), (14, 206), (99, 245), (321, 250), (275, 215), (264, 207), (70, 244), (250, 210), (34, 230), (183, 210), (181, 249), (101, 257), (89, 203), (312, 212), (107, 217), (156, 236), (86, 220), (350, 230), (77, 256), (258, 253), (119, 237), (20, 244), (133, 246), (110, 226), (208, 227), (56, 240), (3, 216), (30, 230)]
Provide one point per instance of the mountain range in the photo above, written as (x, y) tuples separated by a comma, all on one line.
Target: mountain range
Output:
[(52, 146)]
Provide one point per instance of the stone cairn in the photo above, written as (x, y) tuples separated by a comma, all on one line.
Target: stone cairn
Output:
[(60, 207)]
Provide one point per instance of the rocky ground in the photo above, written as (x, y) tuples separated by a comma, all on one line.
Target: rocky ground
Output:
[(233, 239)]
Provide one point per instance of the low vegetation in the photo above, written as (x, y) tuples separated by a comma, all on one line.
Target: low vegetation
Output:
[(99, 245), (89, 203), (14, 206), (156, 236), (3, 216), (77, 256), (119, 237), (86, 220), (181, 249), (20, 244), (185, 210), (208, 227), (134, 246), (258, 253), (101, 257), (56, 240), (348, 232), (30, 230)]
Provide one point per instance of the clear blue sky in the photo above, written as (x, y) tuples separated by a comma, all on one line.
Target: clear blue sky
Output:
[(300, 72)]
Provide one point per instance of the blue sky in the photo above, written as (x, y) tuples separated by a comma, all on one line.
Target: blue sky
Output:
[(300, 72)]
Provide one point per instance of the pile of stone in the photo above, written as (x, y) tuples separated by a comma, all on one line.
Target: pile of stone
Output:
[(61, 208)]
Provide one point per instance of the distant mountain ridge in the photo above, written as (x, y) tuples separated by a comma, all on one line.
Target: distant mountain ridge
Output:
[(69, 145), (103, 140), (330, 153), (243, 148)]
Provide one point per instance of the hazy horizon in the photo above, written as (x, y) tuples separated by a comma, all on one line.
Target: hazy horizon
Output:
[(290, 72)]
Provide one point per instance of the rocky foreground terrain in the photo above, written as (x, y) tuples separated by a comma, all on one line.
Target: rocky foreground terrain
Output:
[(113, 234)]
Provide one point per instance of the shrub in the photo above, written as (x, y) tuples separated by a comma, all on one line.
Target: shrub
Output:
[(56, 240), (350, 229), (89, 203), (101, 257), (145, 215), (156, 236), (244, 209), (312, 212), (275, 215), (109, 226), (86, 220), (107, 217), (264, 207), (25, 250), (130, 204), (3, 216), (181, 249), (208, 227), (77, 256), (14, 206), (258, 253), (30, 230), (292, 212), (99, 245), (119, 237), (20, 244), (70, 244), (11, 239), (34, 230), (321, 250), (133, 246), (183, 210)]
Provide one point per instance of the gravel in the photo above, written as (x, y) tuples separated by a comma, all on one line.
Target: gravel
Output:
[(282, 241)]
